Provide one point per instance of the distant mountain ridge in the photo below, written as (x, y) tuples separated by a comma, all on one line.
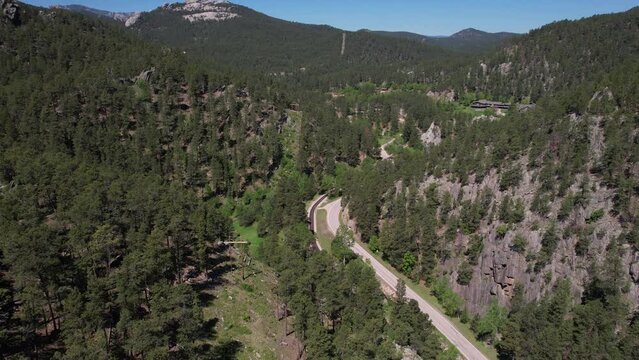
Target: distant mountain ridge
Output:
[(469, 40), (124, 17), (559, 56), (238, 35), (313, 44)]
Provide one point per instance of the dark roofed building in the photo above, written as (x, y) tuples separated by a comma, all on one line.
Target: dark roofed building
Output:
[(487, 104)]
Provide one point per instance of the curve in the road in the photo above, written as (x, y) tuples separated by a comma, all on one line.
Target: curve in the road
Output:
[(465, 347), (311, 214)]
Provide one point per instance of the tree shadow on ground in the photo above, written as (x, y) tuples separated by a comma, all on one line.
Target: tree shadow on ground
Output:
[(208, 327), (219, 267), (226, 351)]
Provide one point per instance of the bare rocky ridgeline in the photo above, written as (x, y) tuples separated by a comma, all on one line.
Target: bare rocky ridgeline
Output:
[(500, 268), (191, 10), (128, 18), (204, 10)]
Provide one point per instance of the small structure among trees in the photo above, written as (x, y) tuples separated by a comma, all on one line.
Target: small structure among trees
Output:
[(487, 104)]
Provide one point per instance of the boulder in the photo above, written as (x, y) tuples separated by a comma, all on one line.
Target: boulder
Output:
[(408, 353)]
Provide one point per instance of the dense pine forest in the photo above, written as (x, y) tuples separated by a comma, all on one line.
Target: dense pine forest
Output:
[(120, 165), (133, 159)]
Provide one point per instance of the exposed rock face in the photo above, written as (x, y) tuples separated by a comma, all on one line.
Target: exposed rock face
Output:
[(501, 269), (10, 12), (204, 10), (446, 95), (144, 75), (383, 153), (634, 271), (433, 136), (504, 69), (597, 143), (408, 353), (402, 116), (132, 19)]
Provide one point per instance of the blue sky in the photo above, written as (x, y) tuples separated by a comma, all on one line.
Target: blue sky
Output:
[(430, 17)]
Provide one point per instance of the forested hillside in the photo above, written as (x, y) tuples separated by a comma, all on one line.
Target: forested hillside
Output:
[(255, 41), (121, 166), (469, 41), (556, 57), (105, 180), (533, 206), (129, 156)]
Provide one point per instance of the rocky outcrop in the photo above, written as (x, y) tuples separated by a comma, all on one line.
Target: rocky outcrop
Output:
[(407, 353), (504, 69), (597, 141), (132, 19), (10, 12), (204, 10), (445, 95), (501, 269), (433, 136), (144, 75), (128, 18), (401, 118)]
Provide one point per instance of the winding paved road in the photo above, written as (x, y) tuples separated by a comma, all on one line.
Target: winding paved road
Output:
[(465, 347), (311, 215)]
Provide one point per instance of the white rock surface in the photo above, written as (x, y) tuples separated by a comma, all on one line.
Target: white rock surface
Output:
[(433, 136), (210, 16), (205, 10), (445, 95), (132, 20)]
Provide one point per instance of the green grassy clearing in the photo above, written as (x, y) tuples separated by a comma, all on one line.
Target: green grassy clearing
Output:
[(248, 233), (242, 311)]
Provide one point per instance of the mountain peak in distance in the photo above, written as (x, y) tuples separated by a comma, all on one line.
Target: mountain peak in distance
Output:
[(468, 33)]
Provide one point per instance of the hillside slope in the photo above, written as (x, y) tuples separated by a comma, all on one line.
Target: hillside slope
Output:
[(555, 57), (529, 196), (526, 213), (467, 41), (117, 16), (112, 150), (125, 167), (253, 40)]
